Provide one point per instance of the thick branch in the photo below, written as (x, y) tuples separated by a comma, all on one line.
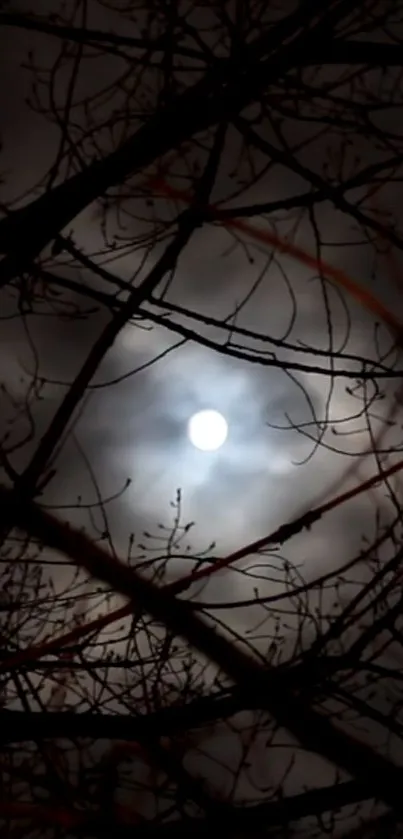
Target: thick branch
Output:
[(336, 52), (309, 727), (92, 37), (223, 92)]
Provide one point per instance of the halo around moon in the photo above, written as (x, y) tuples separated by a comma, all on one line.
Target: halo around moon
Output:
[(208, 430)]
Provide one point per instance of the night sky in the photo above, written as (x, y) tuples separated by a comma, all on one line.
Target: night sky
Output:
[(133, 421)]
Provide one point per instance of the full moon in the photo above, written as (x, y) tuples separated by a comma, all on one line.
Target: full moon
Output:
[(207, 430)]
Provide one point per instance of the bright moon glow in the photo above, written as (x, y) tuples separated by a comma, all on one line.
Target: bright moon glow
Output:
[(207, 430)]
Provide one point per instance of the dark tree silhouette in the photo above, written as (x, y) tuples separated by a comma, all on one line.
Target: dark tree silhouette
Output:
[(132, 703)]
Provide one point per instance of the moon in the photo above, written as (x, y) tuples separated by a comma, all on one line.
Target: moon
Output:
[(208, 430)]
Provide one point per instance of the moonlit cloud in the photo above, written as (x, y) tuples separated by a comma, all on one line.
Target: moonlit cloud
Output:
[(130, 436), (137, 427)]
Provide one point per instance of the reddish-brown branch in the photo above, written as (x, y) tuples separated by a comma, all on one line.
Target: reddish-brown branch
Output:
[(376, 443), (268, 237), (311, 728), (278, 536)]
